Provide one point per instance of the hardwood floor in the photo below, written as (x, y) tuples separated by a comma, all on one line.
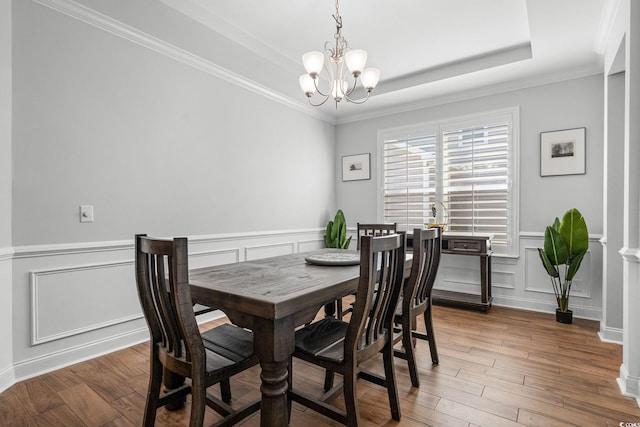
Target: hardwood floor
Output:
[(505, 368)]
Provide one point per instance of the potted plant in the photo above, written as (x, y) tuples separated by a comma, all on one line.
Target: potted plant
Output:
[(565, 244), (336, 233)]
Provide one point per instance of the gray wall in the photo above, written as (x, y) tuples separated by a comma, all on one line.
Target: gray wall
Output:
[(517, 281), (5, 124), (156, 133), (570, 104), (153, 144)]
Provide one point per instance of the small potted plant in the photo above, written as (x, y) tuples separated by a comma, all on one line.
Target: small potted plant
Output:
[(565, 244), (336, 233)]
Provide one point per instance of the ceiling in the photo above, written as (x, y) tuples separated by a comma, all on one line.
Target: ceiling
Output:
[(428, 51)]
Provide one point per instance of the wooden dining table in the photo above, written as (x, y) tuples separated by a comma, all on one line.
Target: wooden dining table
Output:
[(273, 296)]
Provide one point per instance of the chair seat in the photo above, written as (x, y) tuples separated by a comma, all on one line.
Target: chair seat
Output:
[(323, 339), (230, 341)]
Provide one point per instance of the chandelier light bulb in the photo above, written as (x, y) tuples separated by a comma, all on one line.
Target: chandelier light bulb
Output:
[(313, 62), (356, 60), (307, 84), (370, 78), (338, 89)]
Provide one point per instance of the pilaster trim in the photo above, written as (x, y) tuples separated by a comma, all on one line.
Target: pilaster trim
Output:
[(630, 254)]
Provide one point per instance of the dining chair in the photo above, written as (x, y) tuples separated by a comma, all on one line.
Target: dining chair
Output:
[(375, 230), (340, 347), (178, 348), (366, 230), (416, 299)]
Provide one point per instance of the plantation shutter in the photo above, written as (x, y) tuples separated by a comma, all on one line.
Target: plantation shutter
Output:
[(410, 180), (475, 179), (463, 171)]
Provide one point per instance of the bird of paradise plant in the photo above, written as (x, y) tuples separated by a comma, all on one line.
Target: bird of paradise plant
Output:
[(565, 245)]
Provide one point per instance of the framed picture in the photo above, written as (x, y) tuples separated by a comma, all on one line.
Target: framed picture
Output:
[(562, 152), (357, 167)]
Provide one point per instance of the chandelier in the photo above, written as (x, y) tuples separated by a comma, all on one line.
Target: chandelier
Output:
[(338, 60)]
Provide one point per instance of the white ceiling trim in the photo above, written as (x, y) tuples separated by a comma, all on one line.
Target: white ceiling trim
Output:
[(607, 19), (465, 96), (458, 68), (120, 29)]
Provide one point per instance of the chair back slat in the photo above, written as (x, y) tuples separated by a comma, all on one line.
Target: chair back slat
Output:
[(375, 230), (424, 268), (381, 274)]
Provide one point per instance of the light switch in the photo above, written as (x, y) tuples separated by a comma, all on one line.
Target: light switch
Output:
[(86, 213)]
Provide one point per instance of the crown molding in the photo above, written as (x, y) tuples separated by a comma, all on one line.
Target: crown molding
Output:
[(92, 17), (607, 20)]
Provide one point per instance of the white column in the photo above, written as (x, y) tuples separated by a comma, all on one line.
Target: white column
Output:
[(629, 380), (613, 204)]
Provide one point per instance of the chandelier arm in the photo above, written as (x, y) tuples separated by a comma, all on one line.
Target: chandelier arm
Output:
[(315, 83), (317, 105), (358, 101), (353, 88)]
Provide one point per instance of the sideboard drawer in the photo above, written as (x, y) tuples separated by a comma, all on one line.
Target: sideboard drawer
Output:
[(474, 246)]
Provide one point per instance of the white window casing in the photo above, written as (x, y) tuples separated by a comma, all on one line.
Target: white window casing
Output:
[(462, 172)]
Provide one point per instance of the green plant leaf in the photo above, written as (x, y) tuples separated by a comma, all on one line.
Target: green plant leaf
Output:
[(556, 224), (555, 247), (573, 230), (342, 234), (574, 266), (548, 265), (327, 234), (334, 229)]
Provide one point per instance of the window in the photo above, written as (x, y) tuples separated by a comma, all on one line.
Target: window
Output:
[(460, 172)]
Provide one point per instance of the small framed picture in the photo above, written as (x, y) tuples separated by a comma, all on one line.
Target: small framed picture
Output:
[(562, 152), (356, 167)]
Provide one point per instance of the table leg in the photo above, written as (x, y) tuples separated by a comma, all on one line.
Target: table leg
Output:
[(273, 344)]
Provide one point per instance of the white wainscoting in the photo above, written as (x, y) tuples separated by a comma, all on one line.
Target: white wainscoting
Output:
[(76, 302), (83, 291)]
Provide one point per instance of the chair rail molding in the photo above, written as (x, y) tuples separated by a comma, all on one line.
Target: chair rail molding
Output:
[(6, 253)]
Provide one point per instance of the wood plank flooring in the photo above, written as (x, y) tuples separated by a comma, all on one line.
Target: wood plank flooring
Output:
[(506, 368)]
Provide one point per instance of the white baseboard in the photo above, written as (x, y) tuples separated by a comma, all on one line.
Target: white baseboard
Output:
[(610, 335), (629, 386), (7, 378), (50, 362), (580, 312)]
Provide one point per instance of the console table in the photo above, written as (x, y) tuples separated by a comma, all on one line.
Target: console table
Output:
[(474, 245)]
